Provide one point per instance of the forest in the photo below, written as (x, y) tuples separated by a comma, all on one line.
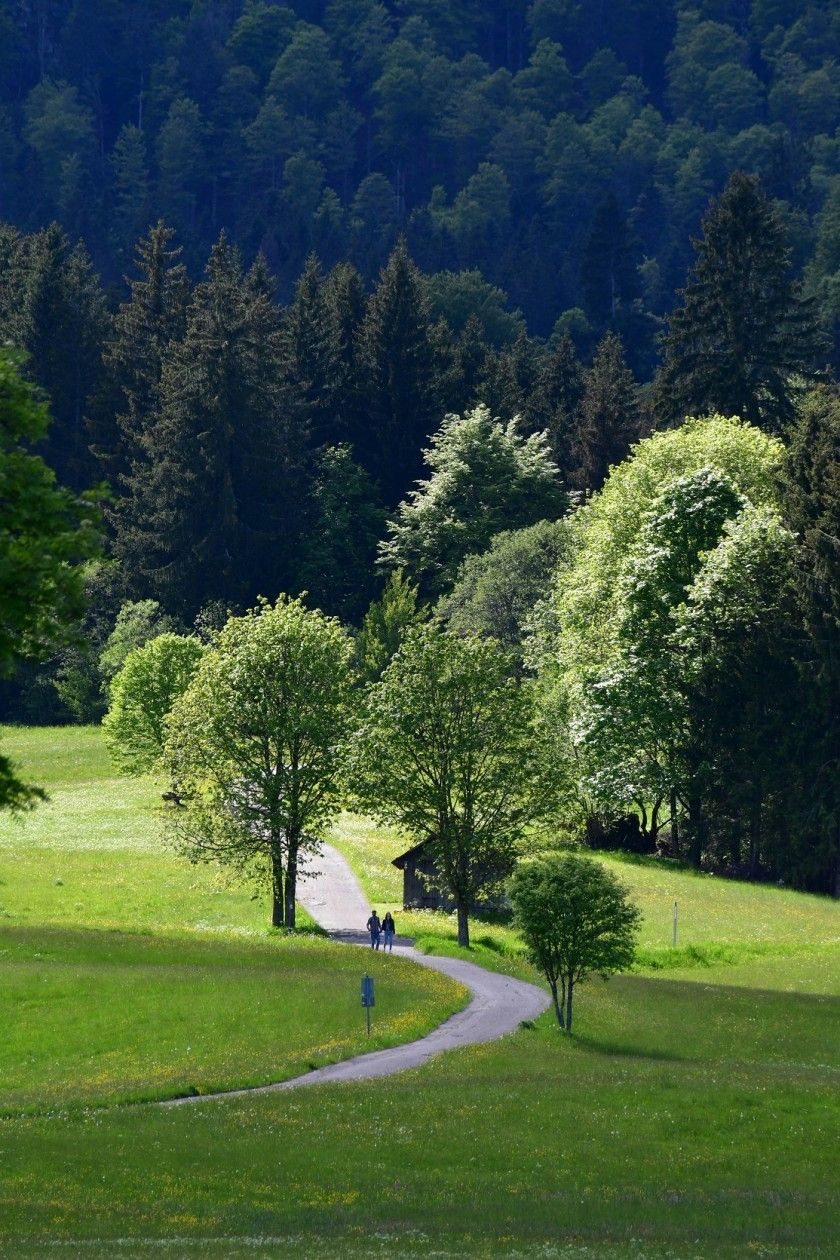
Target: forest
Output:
[(566, 151), (404, 306)]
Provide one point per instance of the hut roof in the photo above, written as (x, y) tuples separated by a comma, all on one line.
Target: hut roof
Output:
[(413, 852)]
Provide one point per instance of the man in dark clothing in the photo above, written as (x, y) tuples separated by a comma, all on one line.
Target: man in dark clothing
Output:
[(374, 927)]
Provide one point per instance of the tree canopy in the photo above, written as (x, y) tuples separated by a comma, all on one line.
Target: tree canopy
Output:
[(576, 920), (484, 477), (46, 532), (255, 744), (449, 748)]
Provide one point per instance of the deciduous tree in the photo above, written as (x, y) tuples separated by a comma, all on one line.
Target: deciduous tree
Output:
[(255, 744), (142, 693), (577, 921), (450, 751)]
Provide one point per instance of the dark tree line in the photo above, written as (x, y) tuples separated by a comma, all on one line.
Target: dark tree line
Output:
[(566, 151)]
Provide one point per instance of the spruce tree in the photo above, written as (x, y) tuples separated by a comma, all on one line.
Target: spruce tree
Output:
[(610, 416), (143, 328), (305, 356), (345, 301), (130, 168), (209, 509), (400, 377), (554, 405), (56, 312), (744, 342), (609, 280), (812, 503), (510, 376)]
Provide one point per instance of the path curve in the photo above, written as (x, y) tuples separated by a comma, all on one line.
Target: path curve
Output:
[(332, 895)]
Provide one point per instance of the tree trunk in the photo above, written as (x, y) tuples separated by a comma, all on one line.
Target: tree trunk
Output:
[(291, 879), (653, 834), (569, 992), (276, 891), (558, 1002), (675, 826), (697, 839), (463, 925), (755, 835)]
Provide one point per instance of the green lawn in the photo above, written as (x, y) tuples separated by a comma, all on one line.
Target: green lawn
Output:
[(695, 1114), (127, 973), (719, 921)]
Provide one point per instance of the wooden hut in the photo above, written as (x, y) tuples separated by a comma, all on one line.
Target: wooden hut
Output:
[(416, 863), (419, 870)]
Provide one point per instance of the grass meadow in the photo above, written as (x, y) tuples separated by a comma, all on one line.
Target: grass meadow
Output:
[(694, 1115)]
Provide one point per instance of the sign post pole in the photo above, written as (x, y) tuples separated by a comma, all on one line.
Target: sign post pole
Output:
[(368, 997)]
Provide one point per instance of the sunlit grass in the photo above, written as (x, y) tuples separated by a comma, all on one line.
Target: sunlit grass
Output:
[(695, 1114), (128, 973)]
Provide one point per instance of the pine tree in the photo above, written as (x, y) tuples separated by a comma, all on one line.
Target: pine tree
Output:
[(305, 352), (812, 502), (470, 356), (210, 511), (59, 317), (400, 377), (744, 342), (130, 167), (344, 296), (143, 328), (554, 405), (510, 377), (609, 280), (610, 416)]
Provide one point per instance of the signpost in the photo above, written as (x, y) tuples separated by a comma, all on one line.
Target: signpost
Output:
[(675, 925), (368, 997)]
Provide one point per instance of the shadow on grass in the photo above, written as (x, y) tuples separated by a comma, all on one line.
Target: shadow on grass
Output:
[(619, 1050)]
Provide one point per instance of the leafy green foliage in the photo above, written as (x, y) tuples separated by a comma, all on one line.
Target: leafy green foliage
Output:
[(496, 590), (577, 921), (449, 749), (255, 744), (484, 477), (386, 624), (150, 680), (46, 533)]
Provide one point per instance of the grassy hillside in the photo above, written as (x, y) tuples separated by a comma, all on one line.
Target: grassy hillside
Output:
[(719, 921), (694, 1116), (127, 973)]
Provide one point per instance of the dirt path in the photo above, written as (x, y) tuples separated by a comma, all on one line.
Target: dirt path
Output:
[(332, 895)]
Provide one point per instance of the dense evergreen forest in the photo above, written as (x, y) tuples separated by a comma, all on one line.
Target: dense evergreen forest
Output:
[(326, 297), (564, 150)]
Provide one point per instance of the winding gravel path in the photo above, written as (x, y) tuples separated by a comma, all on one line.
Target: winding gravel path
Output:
[(332, 895)]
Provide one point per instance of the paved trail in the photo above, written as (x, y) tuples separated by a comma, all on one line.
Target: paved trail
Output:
[(332, 895)]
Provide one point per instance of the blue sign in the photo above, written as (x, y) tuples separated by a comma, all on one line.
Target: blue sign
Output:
[(368, 998)]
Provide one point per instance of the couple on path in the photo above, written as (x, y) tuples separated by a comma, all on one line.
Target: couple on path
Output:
[(386, 927)]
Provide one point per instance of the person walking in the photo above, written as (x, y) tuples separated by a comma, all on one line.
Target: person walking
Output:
[(388, 931), (374, 926)]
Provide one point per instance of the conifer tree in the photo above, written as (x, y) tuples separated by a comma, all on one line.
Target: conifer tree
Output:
[(609, 280), (400, 377), (305, 352), (130, 167), (610, 416), (812, 502), (744, 342), (57, 314), (345, 301), (209, 509), (143, 327), (510, 377), (554, 405)]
